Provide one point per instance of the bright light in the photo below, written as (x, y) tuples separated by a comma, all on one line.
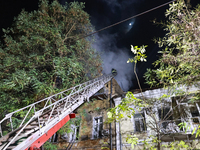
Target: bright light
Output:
[(130, 24)]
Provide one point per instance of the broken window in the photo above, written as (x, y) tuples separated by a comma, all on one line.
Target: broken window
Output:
[(140, 124), (194, 110), (165, 115), (74, 135), (184, 110), (97, 127)]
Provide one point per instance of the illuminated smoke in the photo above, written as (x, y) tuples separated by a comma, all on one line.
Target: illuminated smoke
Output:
[(114, 57)]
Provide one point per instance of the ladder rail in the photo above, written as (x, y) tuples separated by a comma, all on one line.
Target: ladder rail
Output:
[(72, 88), (77, 93), (18, 133), (8, 116)]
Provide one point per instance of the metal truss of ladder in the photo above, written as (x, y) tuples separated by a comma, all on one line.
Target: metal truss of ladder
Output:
[(46, 116)]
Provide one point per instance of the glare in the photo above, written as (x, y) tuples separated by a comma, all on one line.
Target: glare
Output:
[(130, 24)]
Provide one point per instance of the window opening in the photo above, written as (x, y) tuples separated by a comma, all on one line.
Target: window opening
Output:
[(165, 115), (184, 111), (77, 133), (74, 135), (176, 112), (194, 112), (140, 124), (97, 127)]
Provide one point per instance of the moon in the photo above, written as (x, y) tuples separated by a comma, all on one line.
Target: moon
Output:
[(129, 25)]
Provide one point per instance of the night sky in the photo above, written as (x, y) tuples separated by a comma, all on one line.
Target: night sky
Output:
[(113, 43)]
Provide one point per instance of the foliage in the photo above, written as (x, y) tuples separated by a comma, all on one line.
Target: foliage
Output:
[(105, 147), (130, 104), (187, 127), (67, 127), (49, 146), (44, 53), (179, 63), (178, 145), (117, 113), (197, 132), (132, 140), (139, 54)]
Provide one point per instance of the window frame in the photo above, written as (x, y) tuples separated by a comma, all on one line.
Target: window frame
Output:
[(142, 122), (73, 135), (98, 133)]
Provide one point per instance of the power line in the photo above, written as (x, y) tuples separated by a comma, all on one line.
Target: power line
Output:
[(128, 19), (118, 23)]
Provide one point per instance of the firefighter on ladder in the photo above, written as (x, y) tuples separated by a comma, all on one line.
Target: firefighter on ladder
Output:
[(114, 71)]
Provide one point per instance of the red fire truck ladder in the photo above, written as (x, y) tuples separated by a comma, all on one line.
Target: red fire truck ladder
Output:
[(45, 117)]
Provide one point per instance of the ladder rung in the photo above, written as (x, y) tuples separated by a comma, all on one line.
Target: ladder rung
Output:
[(3, 145), (10, 147), (3, 141), (43, 120), (30, 127), (34, 124)]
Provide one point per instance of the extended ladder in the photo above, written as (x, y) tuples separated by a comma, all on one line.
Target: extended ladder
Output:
[(47, 116)]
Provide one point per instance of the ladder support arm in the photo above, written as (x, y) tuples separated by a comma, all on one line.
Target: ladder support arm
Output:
[(39, 142)]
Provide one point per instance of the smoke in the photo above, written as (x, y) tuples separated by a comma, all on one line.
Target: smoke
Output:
[(106, 43), (110, 43), (113, 3), (116, 5), (114, 57)]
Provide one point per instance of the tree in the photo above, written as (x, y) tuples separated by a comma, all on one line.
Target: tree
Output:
[(178, 65), (161, 115), (180, 60), (44, 52)]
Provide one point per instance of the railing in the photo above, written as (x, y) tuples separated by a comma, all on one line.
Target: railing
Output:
[(53, 106)]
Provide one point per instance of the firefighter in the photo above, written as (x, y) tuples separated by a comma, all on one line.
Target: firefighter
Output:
[(114, 71)]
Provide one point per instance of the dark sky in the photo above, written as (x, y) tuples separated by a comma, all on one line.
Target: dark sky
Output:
[(113, 43)]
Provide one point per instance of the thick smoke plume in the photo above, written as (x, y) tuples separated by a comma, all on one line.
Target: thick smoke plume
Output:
[(114, 57), (107, 41)]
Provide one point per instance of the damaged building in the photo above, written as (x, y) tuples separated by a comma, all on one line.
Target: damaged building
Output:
[(91, 132), (171, 117)]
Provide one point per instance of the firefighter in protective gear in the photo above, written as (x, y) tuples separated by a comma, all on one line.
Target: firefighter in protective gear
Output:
[(114, 71)]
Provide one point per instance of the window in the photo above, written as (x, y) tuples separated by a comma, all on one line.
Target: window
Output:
[(165, 115), (74, 135), (97, 127), (194, 109), (140, 124)]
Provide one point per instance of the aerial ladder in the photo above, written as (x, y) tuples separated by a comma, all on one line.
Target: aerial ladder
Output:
[(45, 117)]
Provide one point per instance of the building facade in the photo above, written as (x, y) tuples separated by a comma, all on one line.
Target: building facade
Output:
[(171, 117), (162, 117)]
